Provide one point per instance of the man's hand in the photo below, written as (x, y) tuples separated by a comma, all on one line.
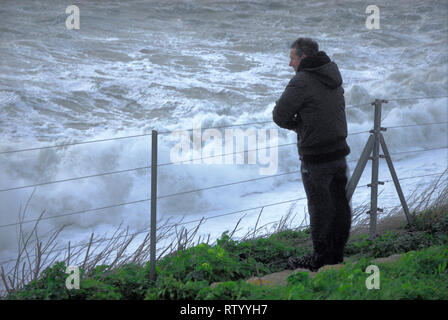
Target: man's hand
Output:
[(286, 124)]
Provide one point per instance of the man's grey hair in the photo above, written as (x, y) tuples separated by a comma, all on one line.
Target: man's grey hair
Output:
[(305, 46)]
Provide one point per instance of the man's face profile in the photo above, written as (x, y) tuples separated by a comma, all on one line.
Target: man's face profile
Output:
[(294, 59)]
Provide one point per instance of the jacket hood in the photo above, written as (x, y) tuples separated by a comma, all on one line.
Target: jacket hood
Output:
[(322, 68)]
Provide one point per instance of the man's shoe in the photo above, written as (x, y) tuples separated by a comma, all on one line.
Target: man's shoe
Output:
[(338, 257), (304, 262)]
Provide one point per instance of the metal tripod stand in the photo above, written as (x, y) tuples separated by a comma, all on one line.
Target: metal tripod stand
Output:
[(371, 152)]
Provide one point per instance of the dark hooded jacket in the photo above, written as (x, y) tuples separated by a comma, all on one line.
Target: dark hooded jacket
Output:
[(313, 103)]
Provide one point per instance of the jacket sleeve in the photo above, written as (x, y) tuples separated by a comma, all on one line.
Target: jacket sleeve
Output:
[(289, 104)]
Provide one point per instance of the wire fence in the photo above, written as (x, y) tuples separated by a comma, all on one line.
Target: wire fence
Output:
[(146, 230), (196, 190), (185, 192), (186, 161)]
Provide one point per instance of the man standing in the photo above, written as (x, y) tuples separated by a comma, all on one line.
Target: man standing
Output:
[(313, 105)]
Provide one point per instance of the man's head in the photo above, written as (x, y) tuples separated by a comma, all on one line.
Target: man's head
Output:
[(300, 49)]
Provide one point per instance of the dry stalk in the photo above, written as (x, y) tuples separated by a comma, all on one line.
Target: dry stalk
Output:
[(68, 255), (87, 252), (236, 226), (256, 224), (5, 283)]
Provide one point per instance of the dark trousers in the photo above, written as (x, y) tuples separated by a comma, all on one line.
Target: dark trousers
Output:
[(329, 210)]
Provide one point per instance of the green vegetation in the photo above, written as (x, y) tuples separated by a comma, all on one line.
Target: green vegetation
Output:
[(421, 273), (417, 275)]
